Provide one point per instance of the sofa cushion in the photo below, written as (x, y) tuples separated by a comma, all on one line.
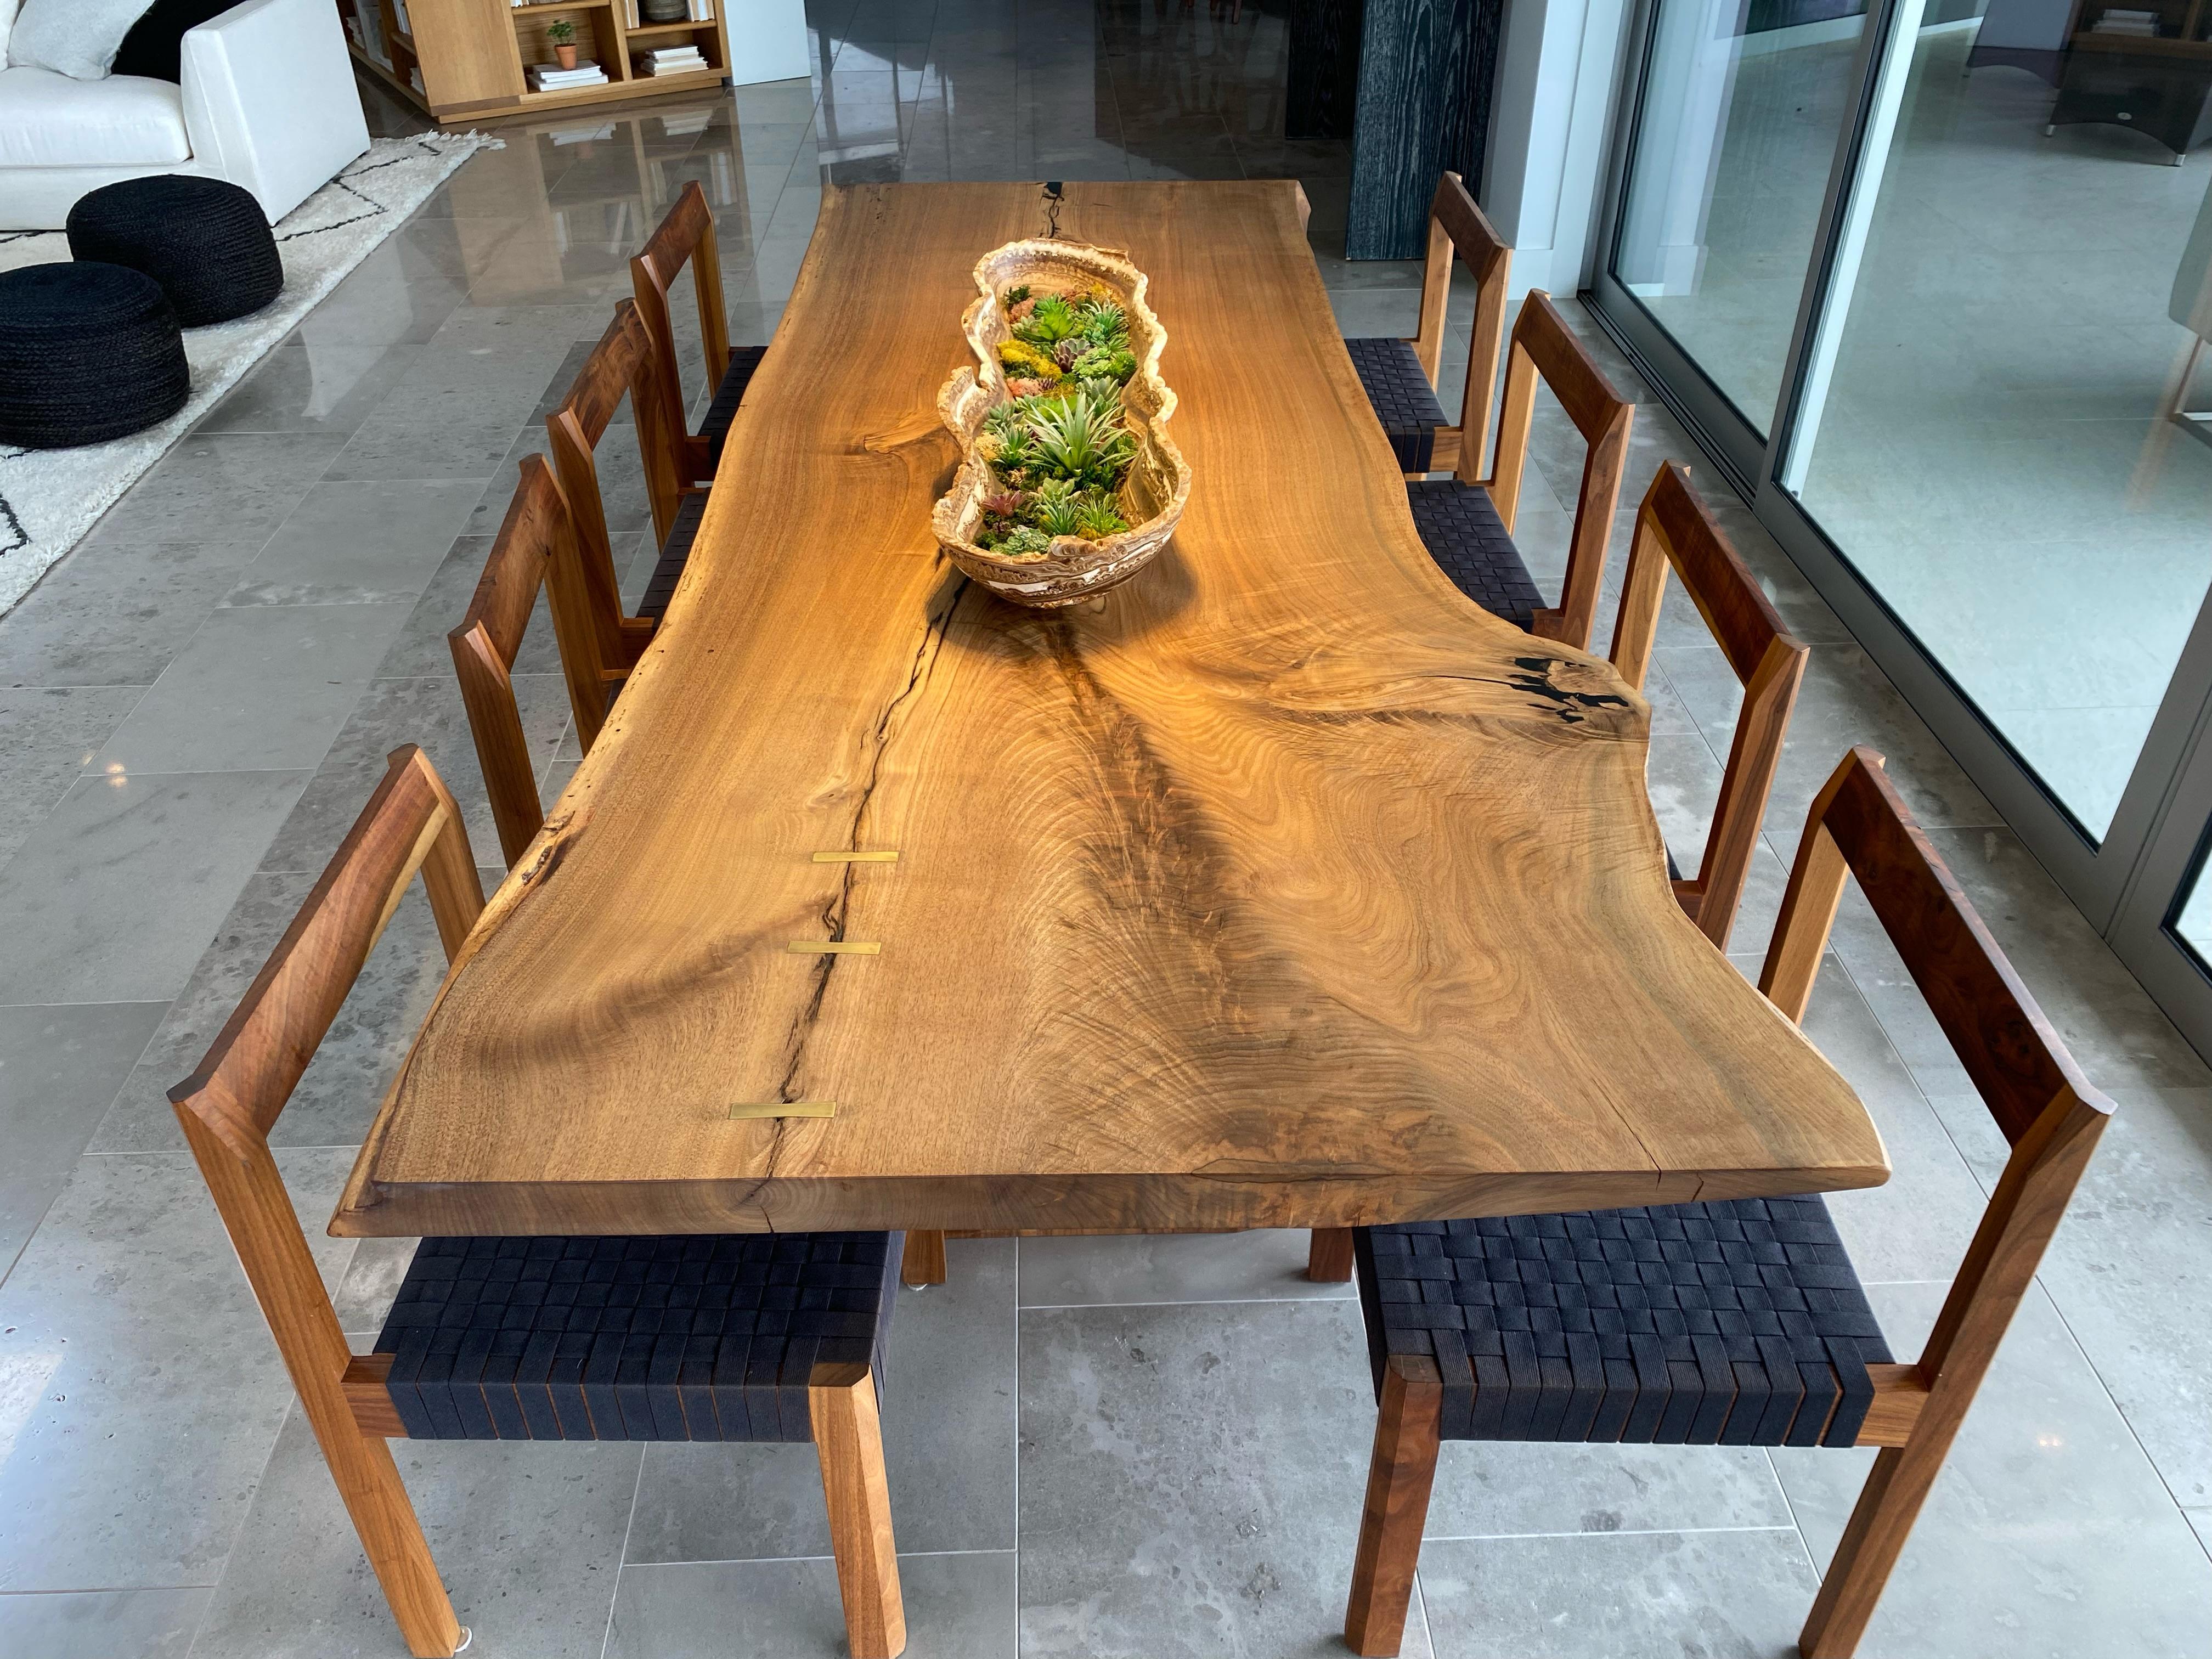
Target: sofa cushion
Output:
[(7, 18), (75, 38), (49, 120), (156, 45)]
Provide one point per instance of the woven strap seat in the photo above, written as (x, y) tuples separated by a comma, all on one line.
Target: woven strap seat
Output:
[(744, 361), (205, 241), (675, 554), (705, 1337), (1735, 1323), (1464, 534), (1404, 400), (87, 352)]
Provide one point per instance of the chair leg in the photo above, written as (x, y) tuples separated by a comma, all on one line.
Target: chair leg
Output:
[(1398, 1482), (1328, 1257), (848, 1438), (924, 1261), (1879, 1523), (392, 1537)]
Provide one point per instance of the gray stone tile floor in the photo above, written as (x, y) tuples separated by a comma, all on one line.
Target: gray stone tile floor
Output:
[(1097, 1447)]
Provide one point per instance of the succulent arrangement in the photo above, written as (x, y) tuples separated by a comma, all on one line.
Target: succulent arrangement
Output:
[(1060, 447)]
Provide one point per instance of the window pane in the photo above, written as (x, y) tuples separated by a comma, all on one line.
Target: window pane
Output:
[(1990, 436), (1735, 138)]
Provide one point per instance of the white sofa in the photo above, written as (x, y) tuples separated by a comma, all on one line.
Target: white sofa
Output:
[(267, 101)]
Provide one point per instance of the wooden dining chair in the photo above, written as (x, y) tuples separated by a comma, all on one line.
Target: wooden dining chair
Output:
[(1467, 522), (776, 1338), (1739, 1322), (536, 548), (686, 235), (1674, 530), (1401, 375), (624, 364)]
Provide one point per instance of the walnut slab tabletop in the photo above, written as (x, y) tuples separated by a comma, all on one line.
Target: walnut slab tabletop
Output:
[(1281, 886)]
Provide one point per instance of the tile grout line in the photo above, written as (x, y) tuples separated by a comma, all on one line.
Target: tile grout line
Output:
[(621, 1557)]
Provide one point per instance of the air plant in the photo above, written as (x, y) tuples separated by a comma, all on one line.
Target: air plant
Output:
[(1056, 508), (1096, 516), (1081, 438)]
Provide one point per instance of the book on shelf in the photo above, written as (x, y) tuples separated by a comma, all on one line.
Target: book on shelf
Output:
[(703, 11), (685, 60), (545, 78), (399, 16)]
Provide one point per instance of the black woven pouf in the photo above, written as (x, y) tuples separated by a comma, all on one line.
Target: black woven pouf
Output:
[(205, 240), (87, 352)]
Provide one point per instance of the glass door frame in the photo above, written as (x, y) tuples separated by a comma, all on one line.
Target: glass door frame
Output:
[(2128, 884)]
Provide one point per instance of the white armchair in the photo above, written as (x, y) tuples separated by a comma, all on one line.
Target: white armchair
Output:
[(267, 101)]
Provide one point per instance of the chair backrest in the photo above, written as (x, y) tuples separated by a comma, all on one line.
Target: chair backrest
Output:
[(686, 235), (535, 548), (1457, 229), (1674, 530), (622, 364), (2048, 1111), (1543, 345), (227, 1106)]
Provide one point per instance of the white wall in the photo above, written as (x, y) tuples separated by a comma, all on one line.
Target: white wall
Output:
[(1560, 63)]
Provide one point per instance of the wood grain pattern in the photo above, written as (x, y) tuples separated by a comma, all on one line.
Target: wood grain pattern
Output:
[(229, 1103), (923, 1262), (1544, 348), (366, 1382), (1424, 92), (1329, 1255), (1674, 531), (1399, 1475), (1276, 891), (848, 1439), (2053, 1117), (622, 365), (685, 235)]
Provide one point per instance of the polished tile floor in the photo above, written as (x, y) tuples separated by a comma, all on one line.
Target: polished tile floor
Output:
[(1143, 1448)]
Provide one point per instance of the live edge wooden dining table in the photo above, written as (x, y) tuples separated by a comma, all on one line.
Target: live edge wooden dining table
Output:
[(1278, 887)]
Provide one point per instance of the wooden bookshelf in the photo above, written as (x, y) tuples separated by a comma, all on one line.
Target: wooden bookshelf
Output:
[(464, 61)]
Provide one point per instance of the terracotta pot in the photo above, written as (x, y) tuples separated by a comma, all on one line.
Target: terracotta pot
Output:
[(1158, 483), (566, 56)]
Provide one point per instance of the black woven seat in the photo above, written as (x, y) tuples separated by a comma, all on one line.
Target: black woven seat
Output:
[(705, 1337), (205, 241), (1735, 1323), (675, 554), (1404, 400), (1464, 536), (87, 352), (744, 361)]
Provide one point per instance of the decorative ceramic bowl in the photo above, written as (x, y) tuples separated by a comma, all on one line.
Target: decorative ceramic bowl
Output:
[(1158, 481)]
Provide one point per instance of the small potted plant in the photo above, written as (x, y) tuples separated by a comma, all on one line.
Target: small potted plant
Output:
[(561, 35)]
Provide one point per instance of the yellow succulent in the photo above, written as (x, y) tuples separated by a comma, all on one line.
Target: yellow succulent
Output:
[(1018, 357)]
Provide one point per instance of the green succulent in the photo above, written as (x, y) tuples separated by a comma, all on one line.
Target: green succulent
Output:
[(1056, 508), (1016, 449), (1014, 295), (1024, 540), (1097, 516), (1114, 363), (1051, 321), (1101, 322), (1081, 439)]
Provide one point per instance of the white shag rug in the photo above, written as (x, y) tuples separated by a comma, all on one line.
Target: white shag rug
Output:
[(50, 498)]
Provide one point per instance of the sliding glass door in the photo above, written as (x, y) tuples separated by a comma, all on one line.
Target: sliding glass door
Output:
[(1936, 296)]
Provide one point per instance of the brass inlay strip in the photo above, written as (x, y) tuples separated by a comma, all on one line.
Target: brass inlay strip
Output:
[(856, 858), (785, 1109), (834, 947)]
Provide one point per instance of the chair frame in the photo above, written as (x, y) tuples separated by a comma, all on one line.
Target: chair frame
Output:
[(623, 361), (1674, 529), (1545, 347), (685, 233), (2048, 1113), (1458, 229), (229, 1105), (536, 547)]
